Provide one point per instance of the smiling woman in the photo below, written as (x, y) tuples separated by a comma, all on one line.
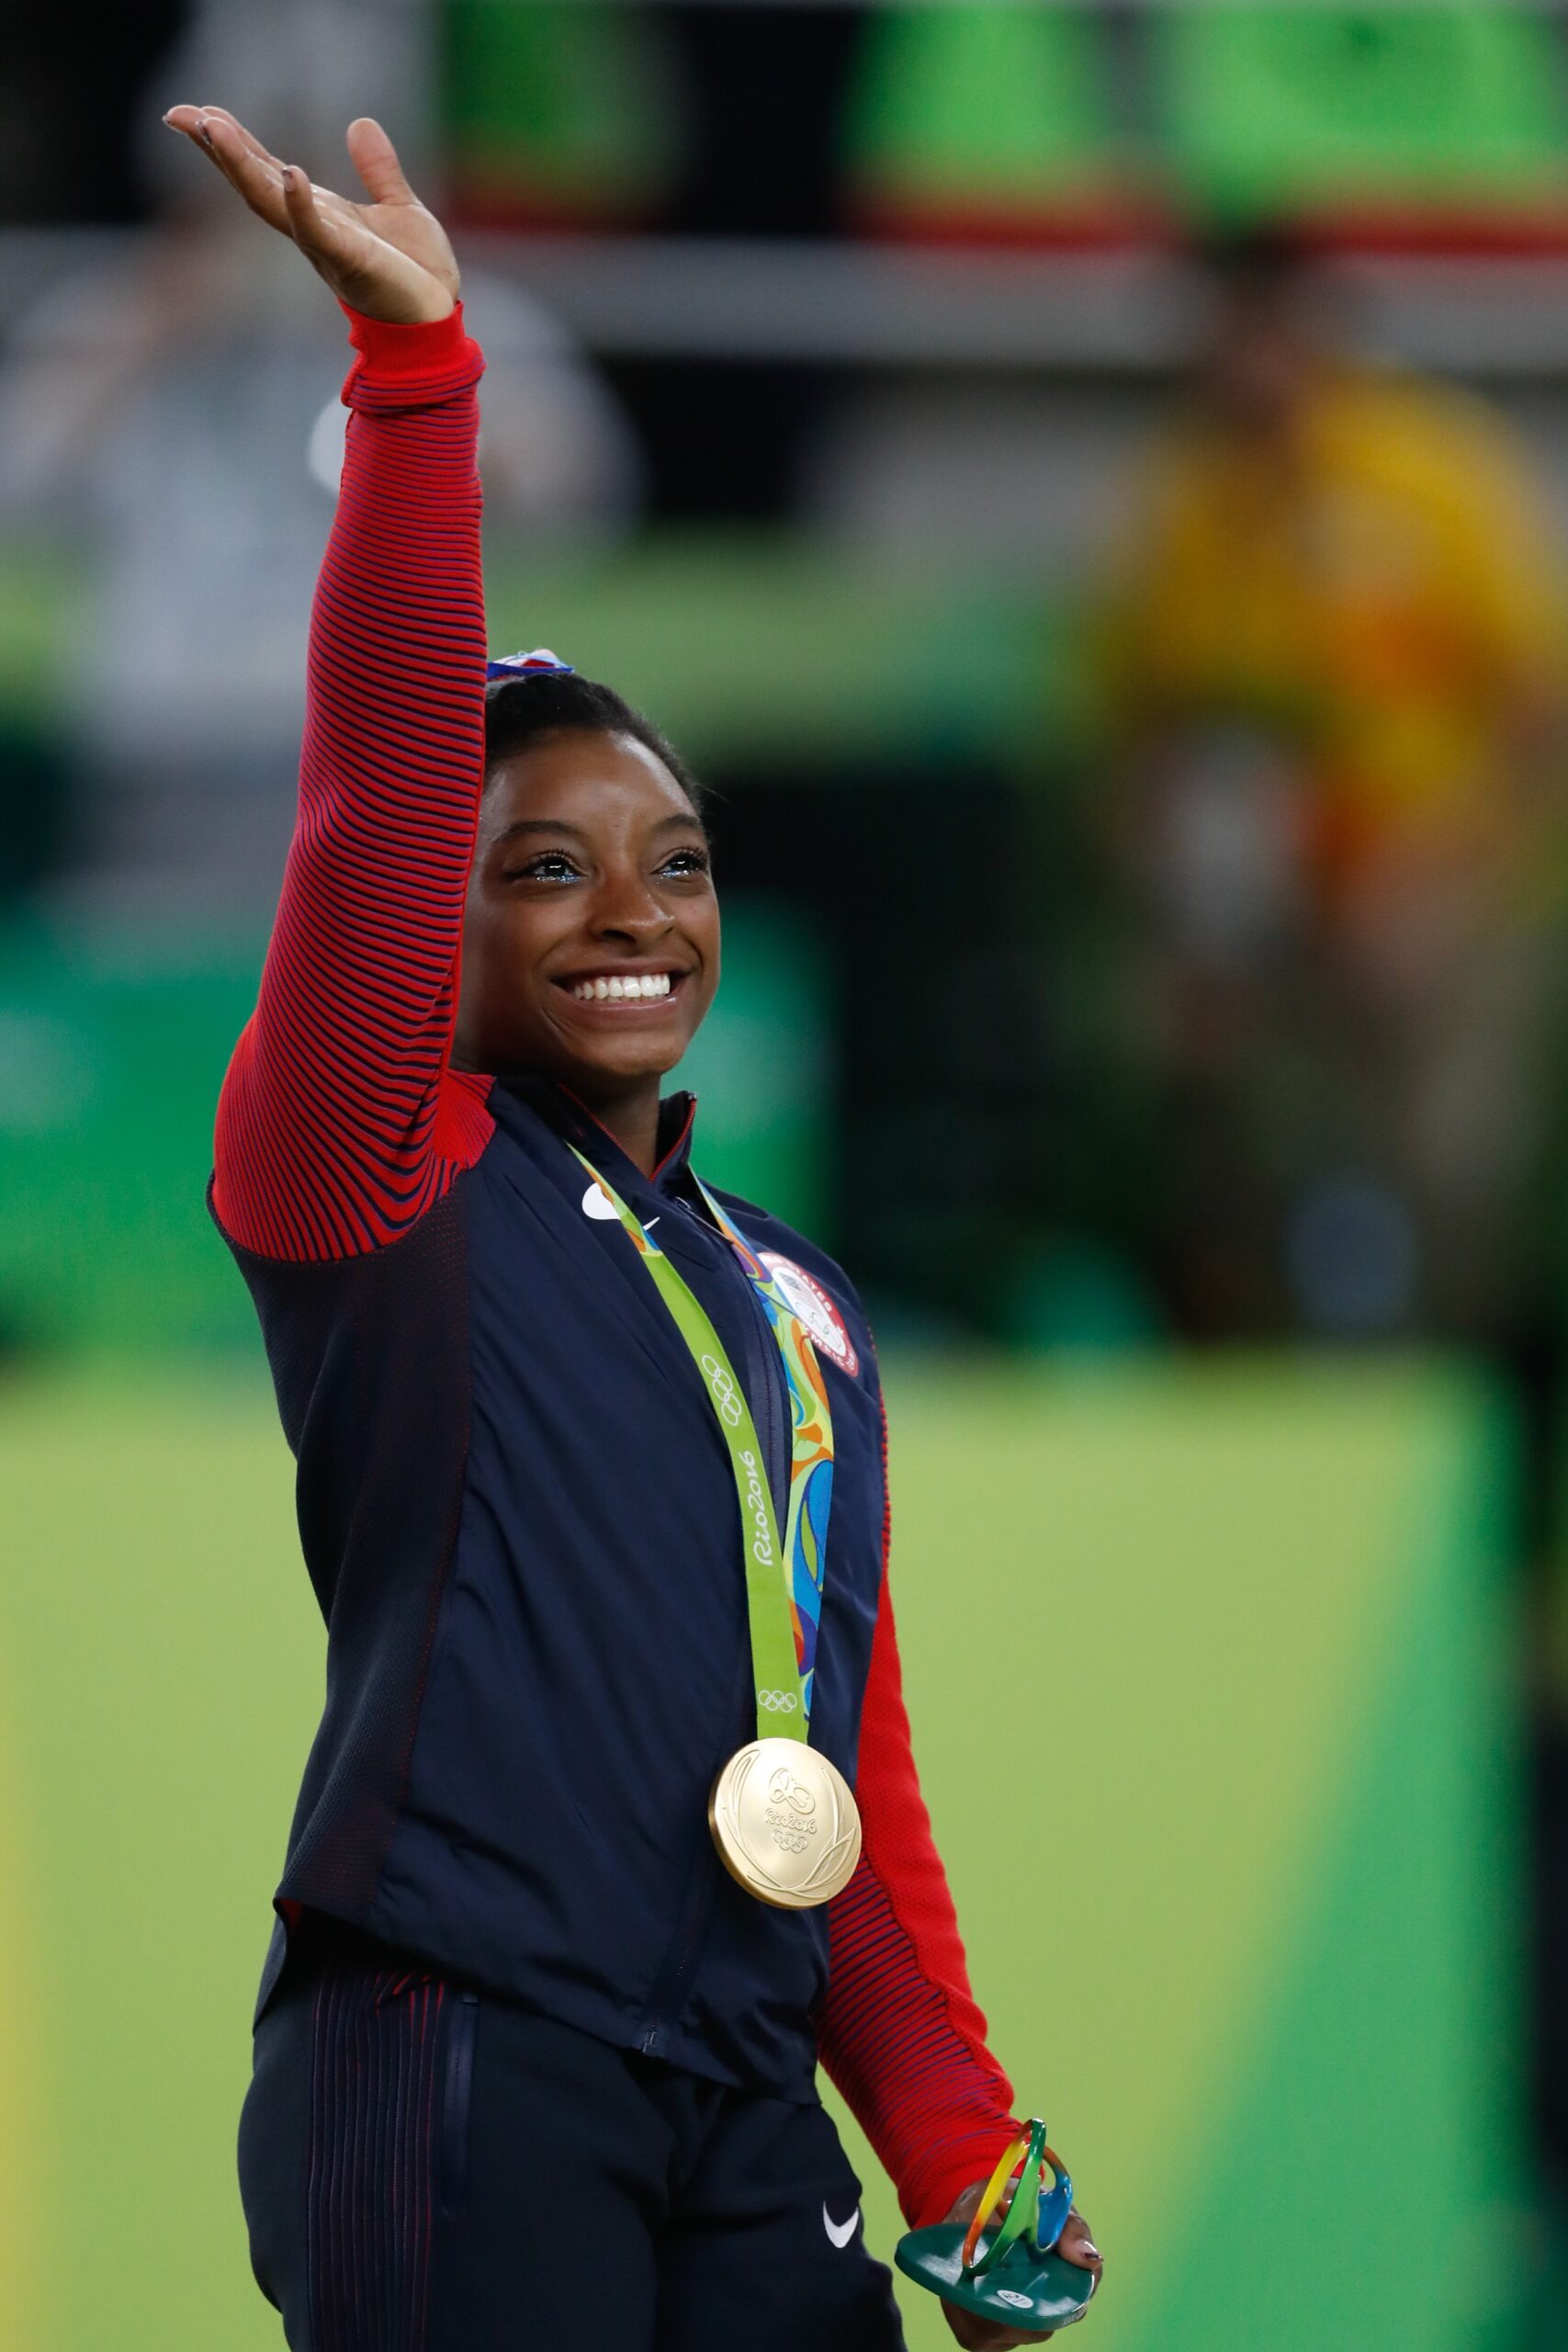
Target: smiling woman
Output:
[(591, 944), (591, 1490)]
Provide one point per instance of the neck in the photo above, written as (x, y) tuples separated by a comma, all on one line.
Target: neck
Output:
[(630, 1112)]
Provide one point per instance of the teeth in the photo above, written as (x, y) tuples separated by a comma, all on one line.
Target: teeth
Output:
[(641, 988)]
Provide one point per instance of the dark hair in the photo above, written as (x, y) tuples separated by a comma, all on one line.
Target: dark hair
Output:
[(518, 711)]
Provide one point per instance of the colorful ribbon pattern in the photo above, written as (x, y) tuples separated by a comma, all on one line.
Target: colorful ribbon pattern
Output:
[(811, 1451), (804, 1538)]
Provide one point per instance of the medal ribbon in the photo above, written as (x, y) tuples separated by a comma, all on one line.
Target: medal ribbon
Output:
[(784, 1640), (811, 1450)]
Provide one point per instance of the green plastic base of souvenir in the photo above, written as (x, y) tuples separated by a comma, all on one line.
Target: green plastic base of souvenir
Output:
[(1024, 2290)]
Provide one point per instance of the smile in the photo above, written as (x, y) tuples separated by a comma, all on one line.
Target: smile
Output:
[(622, 988)]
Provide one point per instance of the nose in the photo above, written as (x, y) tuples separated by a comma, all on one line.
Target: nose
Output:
[(626, 907)]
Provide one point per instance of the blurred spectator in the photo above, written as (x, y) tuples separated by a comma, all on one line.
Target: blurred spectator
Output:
[(1335, 680), (178, 407)]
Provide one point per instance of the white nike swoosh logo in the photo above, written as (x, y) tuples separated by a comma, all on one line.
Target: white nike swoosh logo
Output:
[(840, 2232), (598, 1204)]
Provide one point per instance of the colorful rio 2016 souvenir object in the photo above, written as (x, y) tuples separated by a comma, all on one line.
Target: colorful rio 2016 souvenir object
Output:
[(1018, 2281)]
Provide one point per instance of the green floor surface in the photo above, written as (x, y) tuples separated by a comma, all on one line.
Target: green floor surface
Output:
[(1245, 1938)]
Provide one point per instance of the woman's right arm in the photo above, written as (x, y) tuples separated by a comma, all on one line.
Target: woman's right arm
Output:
[(335, 1128)]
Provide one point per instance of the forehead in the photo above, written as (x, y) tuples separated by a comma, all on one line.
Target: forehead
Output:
[(580, 775)]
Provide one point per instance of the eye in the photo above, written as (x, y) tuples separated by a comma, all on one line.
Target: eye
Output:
[(550, 865), (686, 861)]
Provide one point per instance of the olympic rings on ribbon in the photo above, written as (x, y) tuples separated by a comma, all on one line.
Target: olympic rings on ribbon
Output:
[(723, 1390)]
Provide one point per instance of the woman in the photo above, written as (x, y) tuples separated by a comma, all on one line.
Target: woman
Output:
[(534, 2054)]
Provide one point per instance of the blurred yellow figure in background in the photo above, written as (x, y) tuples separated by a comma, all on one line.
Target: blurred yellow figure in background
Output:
[(1334, 657)]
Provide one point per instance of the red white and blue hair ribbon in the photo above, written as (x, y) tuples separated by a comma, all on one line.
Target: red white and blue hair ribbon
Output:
[(540, 663)]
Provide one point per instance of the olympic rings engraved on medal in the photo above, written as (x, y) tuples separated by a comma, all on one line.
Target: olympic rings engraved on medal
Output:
[(723, 1388), (778, 1703)]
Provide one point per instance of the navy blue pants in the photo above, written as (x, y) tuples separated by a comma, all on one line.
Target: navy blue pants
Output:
[(424, 2169)]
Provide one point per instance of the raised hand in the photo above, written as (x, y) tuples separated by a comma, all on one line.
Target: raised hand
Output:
[(388, 258)]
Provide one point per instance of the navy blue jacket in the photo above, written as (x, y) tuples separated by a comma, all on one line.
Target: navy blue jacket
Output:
[(520, 1523), (513, 1500)]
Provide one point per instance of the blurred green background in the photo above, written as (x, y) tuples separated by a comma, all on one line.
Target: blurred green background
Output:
[(1211, 1697)]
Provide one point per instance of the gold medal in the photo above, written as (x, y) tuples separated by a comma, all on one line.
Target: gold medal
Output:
[(785, 1824)]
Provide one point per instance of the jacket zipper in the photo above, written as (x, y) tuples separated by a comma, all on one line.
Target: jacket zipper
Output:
[(665, 2001)]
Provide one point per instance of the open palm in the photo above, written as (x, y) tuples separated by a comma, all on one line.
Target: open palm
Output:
[(388, 258)]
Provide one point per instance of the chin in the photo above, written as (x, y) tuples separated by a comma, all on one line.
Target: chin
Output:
[(649, 1060), (609, 1061)]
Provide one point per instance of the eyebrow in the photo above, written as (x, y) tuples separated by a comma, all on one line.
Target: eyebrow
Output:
[(558, 826)]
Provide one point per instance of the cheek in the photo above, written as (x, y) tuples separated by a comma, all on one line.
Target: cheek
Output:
[(495, 990), (700, 1004), (710, 940), (505, 932), (483, 940)]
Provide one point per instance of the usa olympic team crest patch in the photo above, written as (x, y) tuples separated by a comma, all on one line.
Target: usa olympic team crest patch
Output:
[(805, 1298)]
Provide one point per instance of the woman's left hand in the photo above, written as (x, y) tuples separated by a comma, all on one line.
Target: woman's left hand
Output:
[(1075, 2245)]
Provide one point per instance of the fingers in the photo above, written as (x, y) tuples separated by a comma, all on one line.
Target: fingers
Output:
[(247, 138), (1076, 2245), (198, 124), (319, 229), (375, 160), (257, 175), (244, 163), (192, 122), (299, 206)]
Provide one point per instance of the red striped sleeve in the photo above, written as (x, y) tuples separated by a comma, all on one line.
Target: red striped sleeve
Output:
[(900, 2032), (338, 1123)]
